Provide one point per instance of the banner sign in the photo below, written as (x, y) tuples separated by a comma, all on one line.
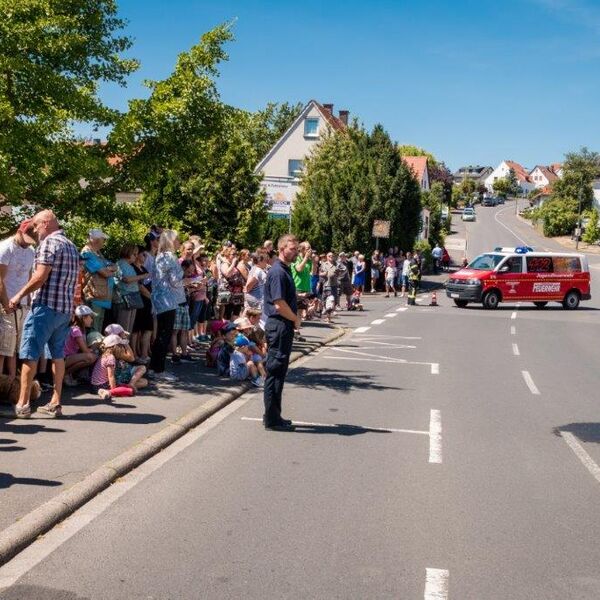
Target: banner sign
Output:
[(381, 229), (279, 197)]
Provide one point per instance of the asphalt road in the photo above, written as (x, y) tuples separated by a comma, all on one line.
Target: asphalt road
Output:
[(444, 453)]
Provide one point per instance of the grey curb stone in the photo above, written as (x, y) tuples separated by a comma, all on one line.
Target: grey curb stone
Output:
[(27, 529)]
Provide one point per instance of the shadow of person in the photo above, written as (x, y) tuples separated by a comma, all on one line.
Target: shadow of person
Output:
[(585, 432), (6, 480), (125, 418), (36, 592), (343, 429)]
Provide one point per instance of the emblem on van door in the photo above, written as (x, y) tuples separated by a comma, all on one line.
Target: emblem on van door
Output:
[(512, 285)]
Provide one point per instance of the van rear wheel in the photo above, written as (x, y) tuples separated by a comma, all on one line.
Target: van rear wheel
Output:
[(540, 304), (571, 301), (461, 303), (491, 300)]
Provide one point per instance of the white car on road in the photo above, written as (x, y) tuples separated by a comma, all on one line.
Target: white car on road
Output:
[(468, 214)]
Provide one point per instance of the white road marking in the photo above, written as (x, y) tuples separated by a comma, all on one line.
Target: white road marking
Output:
[(435, 437), (530, 384), (361, 329), (49, 542), (402, 309), (436, 584), (371, 336), (310, 424), (390, 315), (435, 368), (581, 454), (377, 321), (393, 361), (514, 315), (513, 330), (508, 228), (348, 351), (515, 349), (391, 346)]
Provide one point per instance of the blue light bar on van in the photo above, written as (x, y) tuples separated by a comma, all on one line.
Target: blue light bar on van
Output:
[(523, 249)]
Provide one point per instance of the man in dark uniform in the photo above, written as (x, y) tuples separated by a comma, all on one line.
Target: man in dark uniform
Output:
[(280, 309)]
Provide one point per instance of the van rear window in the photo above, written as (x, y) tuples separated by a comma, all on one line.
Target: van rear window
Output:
[(566, 264)]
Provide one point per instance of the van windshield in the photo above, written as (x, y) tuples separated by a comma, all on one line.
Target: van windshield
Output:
[(486, 262)]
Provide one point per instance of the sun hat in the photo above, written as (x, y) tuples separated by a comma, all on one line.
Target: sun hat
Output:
[(242, 323), (115, 329), (110, 341), (93, 338), (241, 340), (83, 311)]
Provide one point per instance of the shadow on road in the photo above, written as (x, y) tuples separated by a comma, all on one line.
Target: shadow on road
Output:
[(6, 480), (585, 432), (125, 418), (343, 429), (331, 379), (6, 446), (35, 592)]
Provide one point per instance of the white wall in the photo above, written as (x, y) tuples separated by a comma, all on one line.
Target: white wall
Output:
[(295, 147), (539, 180), (502, 170)]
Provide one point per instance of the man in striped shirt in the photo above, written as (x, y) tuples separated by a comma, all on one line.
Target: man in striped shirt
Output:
[(53, 283)]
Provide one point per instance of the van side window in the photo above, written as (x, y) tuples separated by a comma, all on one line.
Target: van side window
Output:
[(539, 264), (567, 264), (515, 264)]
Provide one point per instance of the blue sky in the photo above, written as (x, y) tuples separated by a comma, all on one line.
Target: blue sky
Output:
[(473, 81)]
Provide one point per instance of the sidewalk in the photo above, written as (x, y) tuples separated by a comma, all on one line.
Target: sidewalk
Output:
[(43, 457)]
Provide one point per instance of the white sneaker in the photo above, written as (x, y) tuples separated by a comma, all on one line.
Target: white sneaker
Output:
[(164, 376)]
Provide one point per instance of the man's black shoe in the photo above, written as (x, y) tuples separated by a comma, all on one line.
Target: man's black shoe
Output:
[(281, 425), (286, 422)]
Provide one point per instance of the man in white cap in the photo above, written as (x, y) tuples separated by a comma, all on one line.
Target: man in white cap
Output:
[(98, 276), (16, 262)]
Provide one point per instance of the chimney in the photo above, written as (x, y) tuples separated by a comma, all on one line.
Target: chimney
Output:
[(328, 107), (344, 116)]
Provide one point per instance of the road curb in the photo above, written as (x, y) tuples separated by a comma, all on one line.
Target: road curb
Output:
[(28, 528)]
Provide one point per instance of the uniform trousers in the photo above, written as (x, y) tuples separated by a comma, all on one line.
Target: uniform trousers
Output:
[(279, 333)]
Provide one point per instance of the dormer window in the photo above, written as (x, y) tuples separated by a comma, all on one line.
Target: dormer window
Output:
[(311, 127)]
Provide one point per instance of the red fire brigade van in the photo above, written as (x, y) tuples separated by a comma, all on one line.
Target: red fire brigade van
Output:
[(522, 275)]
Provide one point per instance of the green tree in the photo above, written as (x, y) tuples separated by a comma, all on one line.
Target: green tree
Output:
[(434, 201), (592, 231), (579, 170), (352, 179), (53, 55)]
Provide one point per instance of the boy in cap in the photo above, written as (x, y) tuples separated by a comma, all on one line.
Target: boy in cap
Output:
[(242, 365), (228, 332)]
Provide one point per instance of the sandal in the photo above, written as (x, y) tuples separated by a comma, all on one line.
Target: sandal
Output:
[(54, 410)]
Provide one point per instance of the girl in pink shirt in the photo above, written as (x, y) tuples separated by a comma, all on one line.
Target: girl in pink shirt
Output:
[(77, 354)]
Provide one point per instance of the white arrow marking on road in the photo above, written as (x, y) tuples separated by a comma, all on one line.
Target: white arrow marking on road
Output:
[(361, 329), (384, 429), (516, 350), (513, 330), (581, 454), (435, 437), (530, 384), (436, 584), (377, 321)]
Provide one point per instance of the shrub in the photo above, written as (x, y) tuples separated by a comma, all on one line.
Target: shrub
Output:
[(424, 249), (559, 217), (592, 231)]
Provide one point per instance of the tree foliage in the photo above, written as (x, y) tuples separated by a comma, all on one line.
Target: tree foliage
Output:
[(434, 201), (507, 186), (579, 170), (352, 179), (53, 54)]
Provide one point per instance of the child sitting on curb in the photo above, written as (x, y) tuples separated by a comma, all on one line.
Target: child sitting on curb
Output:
[(113, 374), (229, 332), (78, 355), (244, 364)]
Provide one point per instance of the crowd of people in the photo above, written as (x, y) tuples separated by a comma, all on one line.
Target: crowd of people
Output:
[(74, 317)]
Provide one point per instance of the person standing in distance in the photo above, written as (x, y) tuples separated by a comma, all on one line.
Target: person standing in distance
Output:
[(281, 313)]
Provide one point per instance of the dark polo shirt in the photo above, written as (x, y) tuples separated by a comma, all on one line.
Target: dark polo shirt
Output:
[(279, 286)]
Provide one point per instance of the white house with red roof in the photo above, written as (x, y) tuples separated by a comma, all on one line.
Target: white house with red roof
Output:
[(419, 166), (282, 166), (503, 169), (542, 176)]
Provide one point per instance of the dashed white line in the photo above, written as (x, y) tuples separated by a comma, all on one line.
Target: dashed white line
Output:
[(390, 315), (515, 350), (361, 329), (435, 438), (436, 584), (513, 330), (402, 309), (530, 384), (581, 454), (514, 315), (508, 228), (435, 368), (377, 321)]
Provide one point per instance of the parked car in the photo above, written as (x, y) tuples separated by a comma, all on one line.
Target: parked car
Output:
[(468, 214), (500, 199), (489, 201)]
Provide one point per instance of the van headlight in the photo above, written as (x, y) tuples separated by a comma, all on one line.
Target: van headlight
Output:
[(473, 282)]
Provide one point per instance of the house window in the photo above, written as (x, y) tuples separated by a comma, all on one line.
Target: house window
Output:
[(295, 167), (311, 127)]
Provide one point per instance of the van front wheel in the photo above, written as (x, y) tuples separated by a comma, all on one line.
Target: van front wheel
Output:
[(571, 301), (491, 300)]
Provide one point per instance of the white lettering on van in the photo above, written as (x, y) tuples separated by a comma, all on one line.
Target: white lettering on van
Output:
[(546, 287)]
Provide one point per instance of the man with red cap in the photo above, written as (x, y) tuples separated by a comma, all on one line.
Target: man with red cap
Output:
[(16, 262)]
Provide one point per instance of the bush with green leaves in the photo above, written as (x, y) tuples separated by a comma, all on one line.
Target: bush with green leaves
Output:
[(592, 231), (423, 247), (559, 217)]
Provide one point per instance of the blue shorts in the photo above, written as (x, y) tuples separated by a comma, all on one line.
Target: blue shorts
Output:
[(42, 326)]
